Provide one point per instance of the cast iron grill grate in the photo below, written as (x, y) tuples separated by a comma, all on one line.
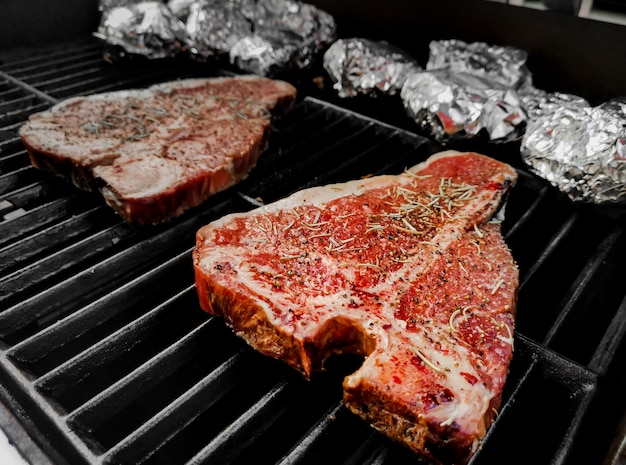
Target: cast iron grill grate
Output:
[(105, 356)]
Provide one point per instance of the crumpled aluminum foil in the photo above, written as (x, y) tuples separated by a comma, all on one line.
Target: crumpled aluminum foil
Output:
[(258, 55), (293, 24), (361, 66), (180, 8), (260, 36), (581, 150), (502, 64), (141, 28), (451, 105), (538, 102), (284, 35), (467, 90), (215, 26)]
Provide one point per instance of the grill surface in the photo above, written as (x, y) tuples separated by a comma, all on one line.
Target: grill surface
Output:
[(105, 356)]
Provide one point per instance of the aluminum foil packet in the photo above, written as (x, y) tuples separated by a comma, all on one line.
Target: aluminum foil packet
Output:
[(259, 36), (359, 66), (502, 64), (451, 106), (581, 150), (265, 37), (148, 28), (538, 103), (181, 8)]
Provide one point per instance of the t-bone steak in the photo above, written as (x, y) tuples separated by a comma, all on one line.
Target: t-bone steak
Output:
[(156, 152), (410, 271)]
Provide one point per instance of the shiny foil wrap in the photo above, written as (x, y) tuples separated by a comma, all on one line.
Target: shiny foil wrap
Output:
[(360, 66), (505, 65), (295, 25), (180, 8), (581, 150), (263, 37), (538, 103), (149, 29), (215, 26), (449, 106), (260, 36)]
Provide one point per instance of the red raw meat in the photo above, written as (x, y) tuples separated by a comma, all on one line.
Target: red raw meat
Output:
[(408, 271)]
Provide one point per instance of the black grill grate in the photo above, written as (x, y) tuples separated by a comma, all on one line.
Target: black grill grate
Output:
[(105, 356)]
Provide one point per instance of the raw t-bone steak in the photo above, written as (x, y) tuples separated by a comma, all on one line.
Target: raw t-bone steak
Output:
[(405, 270), (154, 153)]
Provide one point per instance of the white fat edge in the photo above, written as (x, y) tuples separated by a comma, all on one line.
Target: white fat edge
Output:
[(106, 96), (49, 137), (192, 83), (314, 196), (470, 401), (245, 276), (169, 170), (320, 195), (111, 197), (321, 307)]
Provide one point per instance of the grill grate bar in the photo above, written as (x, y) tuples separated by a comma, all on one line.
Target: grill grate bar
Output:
[(18, 178), (313, 435), (29, 88), (12, 161), (515, 383), (54, 56), (240, 433), (22, 253), (100, 417), (344, 154), (109, 311), (108, 357), (145, 246), (70, 69), (10, 123), (15, 111), (602, 269), (165, 425), (517, 425), (370, 452), (528, 215), (611, 340), (58, 264), (52, 211), (548, 250)]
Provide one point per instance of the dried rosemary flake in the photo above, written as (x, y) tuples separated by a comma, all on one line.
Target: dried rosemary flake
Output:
[(370, 265), (409, 231), (292, 257), (497, 286), (92, 128), (408, 225), (449, 420), (285, 228), (452, 318), (464, 269), (417, 352)]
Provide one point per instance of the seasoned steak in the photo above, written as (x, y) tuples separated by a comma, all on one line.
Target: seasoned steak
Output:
[(156, 152), (406, 270)]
